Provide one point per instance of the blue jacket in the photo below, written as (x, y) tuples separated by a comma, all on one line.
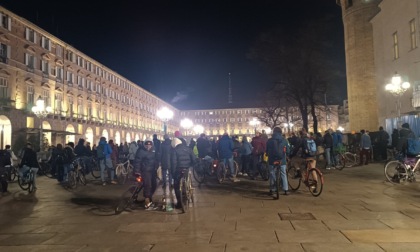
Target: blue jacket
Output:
[(246, 148), (107, 149), (225, 147)]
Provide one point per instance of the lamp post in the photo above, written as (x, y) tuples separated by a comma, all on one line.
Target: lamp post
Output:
[(198, 129), (397, 88), (186, 124), (41, 112), (165, 115), (254, 123)]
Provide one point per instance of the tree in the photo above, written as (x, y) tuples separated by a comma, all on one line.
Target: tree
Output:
[(299, 65)]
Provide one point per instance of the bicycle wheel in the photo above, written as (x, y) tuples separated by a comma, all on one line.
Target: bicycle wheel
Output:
[(96, 169), (13, 174), (235, 168), (72, 180), (221, 172), (263, 170), (277, 167), (125, 200), (31, 186), (190, 189), (121, 177), (23, 182), (341, 162), (81, 176), (294, 178), (350, 159), (396, 172), (183, 195), (315, 182), (199, 173)]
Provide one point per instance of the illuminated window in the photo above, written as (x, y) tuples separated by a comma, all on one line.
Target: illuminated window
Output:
[(413, 37), (396, 50), (3, 88)]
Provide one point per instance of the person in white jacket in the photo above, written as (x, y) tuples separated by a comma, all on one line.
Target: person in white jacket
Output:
[(132, 149)]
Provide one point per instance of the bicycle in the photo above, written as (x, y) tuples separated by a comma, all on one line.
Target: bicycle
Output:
[(13, 172), (262, 167), (95, 168), (202, 169), (312, 177), (186, 190), (123, 171), (26, 181), (130, 196), (401, 172), (76, 173), (222, 172), (45, 168)]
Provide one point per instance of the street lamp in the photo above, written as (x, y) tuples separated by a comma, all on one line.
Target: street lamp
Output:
[(186, 124), (254, 123), (397, 88), (198, 129), (41, 112), (165, 115)]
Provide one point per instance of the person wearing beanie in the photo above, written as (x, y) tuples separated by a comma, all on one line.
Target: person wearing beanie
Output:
[(165, 161), (182, 159), (178, 135), (146, 161)]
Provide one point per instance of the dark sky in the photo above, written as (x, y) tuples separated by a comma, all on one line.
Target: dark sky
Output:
[(180, 48)]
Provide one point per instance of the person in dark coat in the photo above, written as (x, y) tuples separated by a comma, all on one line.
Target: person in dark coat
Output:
[(225, 148), (29, 161), (182, 158), (203, 146), (146, 162), (165, 160)]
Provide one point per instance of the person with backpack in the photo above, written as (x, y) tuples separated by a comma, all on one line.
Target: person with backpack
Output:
[(103, 152), (57, 162), (83, 152), (277, 150), (29, 162), (258, 148)]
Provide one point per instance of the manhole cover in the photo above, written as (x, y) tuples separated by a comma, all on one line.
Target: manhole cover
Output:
[(296, 216)]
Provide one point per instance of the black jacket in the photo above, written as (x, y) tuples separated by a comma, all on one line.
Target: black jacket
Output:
[(203, 147), (182, 157), (165, 154), (146, 160), (29, 158)]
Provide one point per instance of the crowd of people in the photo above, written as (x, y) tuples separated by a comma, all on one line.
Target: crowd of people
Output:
[(174, 155)]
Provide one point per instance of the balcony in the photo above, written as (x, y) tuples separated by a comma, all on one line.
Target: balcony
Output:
[(4, 59), (7, 103)]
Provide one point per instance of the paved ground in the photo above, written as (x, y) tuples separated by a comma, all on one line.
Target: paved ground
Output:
[(357, 211)]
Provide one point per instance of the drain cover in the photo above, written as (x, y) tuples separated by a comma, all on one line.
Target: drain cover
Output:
[(296, 216)]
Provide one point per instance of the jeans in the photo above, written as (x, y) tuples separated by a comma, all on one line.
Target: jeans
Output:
[(106, 163), (272, 177), (229, 161), (25, 169), (328, 156)]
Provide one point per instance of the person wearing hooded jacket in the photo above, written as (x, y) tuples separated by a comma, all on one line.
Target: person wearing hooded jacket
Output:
[(106, 162), (225, 148), (182, 158), (146, 161), (165, 160), (277, 149)]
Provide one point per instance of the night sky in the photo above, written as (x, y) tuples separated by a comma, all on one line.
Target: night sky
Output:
[(182, 50)]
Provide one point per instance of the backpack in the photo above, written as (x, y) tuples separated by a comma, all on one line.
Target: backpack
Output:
[(413, 146), (311, 147), (5, 158), (100, 151), (61, 157)]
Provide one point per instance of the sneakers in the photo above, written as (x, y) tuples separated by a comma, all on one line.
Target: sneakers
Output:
[(240, 173), (245, 174), (114, 182), (147, 203)]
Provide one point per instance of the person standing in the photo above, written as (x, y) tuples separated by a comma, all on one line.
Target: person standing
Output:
[(203, 146), (132, 149), (258, 148), (382, 142), (146, 162), (277, 150), (182, 159), (165, 161), (365, 146), (115, 157), (104, 151), (225, 148), (328, 146), (246, 151), (29, 161)]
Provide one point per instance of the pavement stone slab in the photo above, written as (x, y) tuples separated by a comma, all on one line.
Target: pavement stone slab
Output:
[(304, 236), (268, 236), (342, 247), (42, 248), (400, 246), (377, 236), (355, 224), (308, 225), (26, 239)]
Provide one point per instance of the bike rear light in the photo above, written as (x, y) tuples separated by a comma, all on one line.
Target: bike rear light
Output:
[(139, 179)]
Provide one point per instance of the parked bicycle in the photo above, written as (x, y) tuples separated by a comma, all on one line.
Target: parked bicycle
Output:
[(202, 169), (311, 177), (124, 171), (130, 196), (186, 190), (45, 168), (76, 173), (402, 171), (223, 170)]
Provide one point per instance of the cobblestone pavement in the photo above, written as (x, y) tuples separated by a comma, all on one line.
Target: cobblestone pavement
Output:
[(357, 211)]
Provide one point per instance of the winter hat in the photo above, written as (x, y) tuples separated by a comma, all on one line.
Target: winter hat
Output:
[(175, 142), (177, 133)]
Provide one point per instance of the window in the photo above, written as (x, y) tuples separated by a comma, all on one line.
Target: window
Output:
[(3, 88), (46, 97), (70, 56), (413, 37), (90, 111), (57, 102), (4, 53), (45, 67), (30, 95), (30, 35), (46, 43), (30, 61), (79, 108), (5, 21), (59, 51), (396, 51), (70, 78), (59, 73), (70, 105)]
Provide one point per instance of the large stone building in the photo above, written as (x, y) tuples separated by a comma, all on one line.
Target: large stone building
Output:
[(87, 99), (381, 40)]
